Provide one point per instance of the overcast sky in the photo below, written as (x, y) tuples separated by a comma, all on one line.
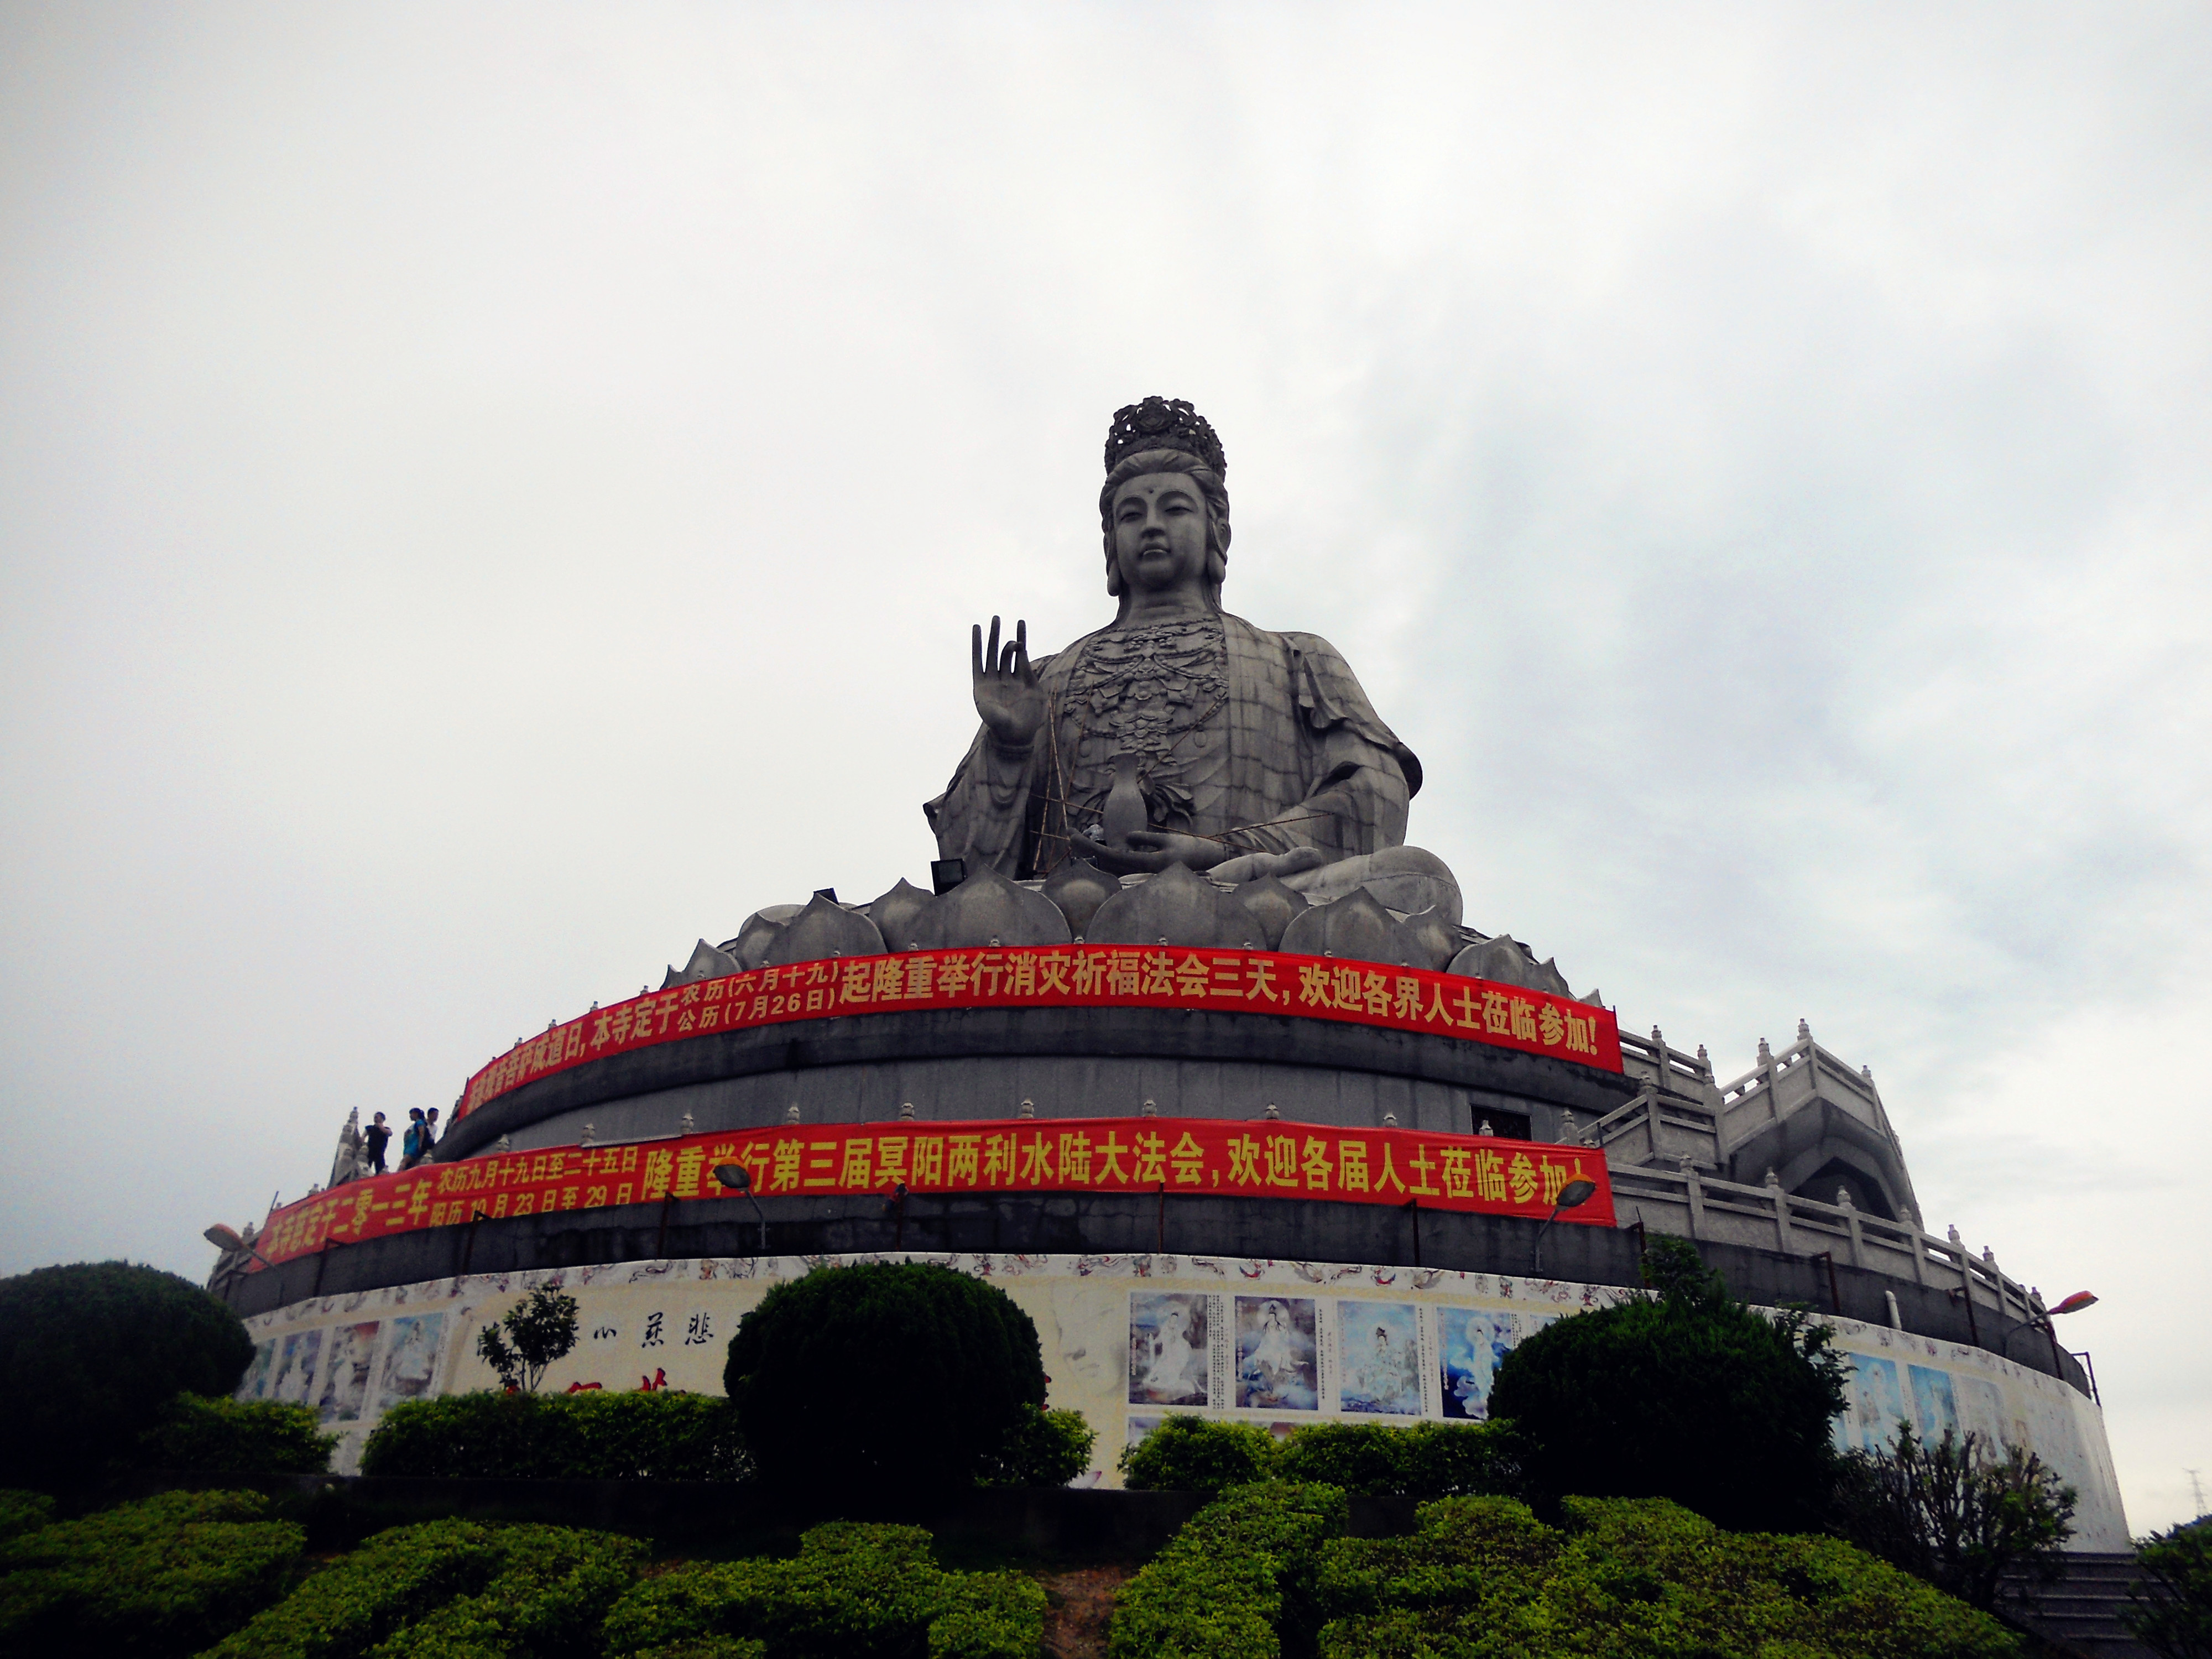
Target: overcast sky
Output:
[(492, 495)]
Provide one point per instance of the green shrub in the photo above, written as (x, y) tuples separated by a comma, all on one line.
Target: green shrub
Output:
[(1047, 1449), (904, 1374), (1196, 1454), (1627, 1579), (1423, 1460), (1954, 1515), (1689, 1395), (90, 1355), (237, 1436), (853, 1591), (167, 1576), (2171, 1612), (553, 1588), (590, 1436), (1235, 1581), (23, 1511), (363, 1597)]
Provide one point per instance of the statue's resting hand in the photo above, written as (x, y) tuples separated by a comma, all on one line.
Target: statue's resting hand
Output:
[(1007, 695)]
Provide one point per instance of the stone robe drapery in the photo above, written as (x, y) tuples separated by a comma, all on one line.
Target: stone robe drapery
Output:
[(1300, 741)]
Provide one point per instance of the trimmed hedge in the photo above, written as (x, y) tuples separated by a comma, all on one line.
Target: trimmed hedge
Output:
[(164, 1576), (591, 1436), (237, 1436), (23, 1511), (1423, 1459), (1628, 1579), (89, 1356), (833, 1374), (1244, 1570), (450, 1590), (854, 1591), (1197, 1454), (1047, 1449)]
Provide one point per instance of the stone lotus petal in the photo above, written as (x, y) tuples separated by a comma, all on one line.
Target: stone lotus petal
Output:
[(1177, 905), (1078, 887), (1506, 961), (1355, 926), (988, 909), (1407, 879), (825, 928), (759, 935), (1436, 941), (898, 912), (707, 963), (1272, 905)]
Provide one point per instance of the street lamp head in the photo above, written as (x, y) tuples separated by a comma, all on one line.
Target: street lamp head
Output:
[(2075, 1303), (735, 1177), (224, 1239), (1575, 1194)]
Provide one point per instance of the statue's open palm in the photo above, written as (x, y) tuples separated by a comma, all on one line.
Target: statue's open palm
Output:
[(1007, 694)]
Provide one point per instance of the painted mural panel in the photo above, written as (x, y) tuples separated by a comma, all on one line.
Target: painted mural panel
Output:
[(1380, 1345), (1278, 1354), (410, 1358), (349, 1350), (1933, 1403), (1168, 1349), (293, 1382), (1474, 1344)]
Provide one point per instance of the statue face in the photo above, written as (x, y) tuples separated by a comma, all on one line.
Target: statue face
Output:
[(1159, 534)]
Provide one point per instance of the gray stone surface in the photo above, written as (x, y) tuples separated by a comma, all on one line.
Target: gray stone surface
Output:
[(987, 909), (1176, 908), (1272, 905), (825, 928), (898, 912), (1354, 927), (1434, 940), (1078, 887), (707, 963), (1505, 961), (760, 932)]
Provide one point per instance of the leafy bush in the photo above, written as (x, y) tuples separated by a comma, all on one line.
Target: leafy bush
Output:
[(89, 1356), (1047, 1449), (1628, 1579), (363, 1597), (2170, 1612), (1196, 1454), (853, 1591), (1423, 1460), (592, 1435), (543, 1330), (1689, 1395), (553, 1588), (812, 1369), (167, 1576), (1234, 1580), (1954, 1515), (23, 1511), (237, 1436)]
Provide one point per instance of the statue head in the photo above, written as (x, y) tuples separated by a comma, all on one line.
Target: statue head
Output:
[(1149, 443)]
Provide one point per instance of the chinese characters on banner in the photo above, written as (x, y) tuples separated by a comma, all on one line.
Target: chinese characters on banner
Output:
[(1073, 976), (1214, 1156)]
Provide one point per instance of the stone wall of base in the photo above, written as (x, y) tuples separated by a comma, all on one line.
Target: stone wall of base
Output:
[(1130, 1338)]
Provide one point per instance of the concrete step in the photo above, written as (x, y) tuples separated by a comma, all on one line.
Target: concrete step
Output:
[(2080, 1613)]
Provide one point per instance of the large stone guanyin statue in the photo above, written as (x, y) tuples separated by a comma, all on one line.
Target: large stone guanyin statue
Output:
[(1179, 734)]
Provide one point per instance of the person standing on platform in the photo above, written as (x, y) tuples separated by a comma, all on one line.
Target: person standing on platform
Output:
[(410, 1144), (429, 1129), (374, 1140)]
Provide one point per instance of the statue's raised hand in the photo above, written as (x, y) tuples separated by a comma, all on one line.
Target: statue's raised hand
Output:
[(1007, 695)]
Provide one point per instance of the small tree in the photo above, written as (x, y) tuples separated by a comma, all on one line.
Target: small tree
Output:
[(2171, 1611), (1954, 1513), (1684, 1393), (882, 1376), (1185, 1453), (544, 1329)]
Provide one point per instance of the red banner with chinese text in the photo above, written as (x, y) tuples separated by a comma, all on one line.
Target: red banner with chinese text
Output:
[(1194, 1157), (1072, 976)]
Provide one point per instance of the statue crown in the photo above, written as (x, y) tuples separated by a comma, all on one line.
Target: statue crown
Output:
[(1163, 423)]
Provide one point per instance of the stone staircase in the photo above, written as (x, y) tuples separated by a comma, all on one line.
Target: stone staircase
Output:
[(2079, 1614)]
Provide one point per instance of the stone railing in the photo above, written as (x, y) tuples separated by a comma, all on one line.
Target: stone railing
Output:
[(1652, 1062), (1695, 1206), (1778, 1084)]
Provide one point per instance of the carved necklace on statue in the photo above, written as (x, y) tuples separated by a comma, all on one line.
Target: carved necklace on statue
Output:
[(1150, 691)]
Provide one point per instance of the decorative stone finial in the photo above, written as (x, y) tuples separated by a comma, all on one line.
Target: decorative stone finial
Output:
[(1029, 1110), (1844, 1198), (1866, 1071), (1272, 1113), (1772, 1179), (791, 1113), (1567, 1125), (1955, 1239), (906, 1109), (588, 1136), (1150, 1109), (690, 1124), (1390, 1119), (1657, 1041), (1485, 1128), (1765, 1054), (1804, 1031), (505, 1145), (1705, 1059)]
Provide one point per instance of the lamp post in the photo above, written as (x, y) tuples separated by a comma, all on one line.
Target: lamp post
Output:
[(2041, 1321), (228, 1239), (739, 1179), (1572, 1196)]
